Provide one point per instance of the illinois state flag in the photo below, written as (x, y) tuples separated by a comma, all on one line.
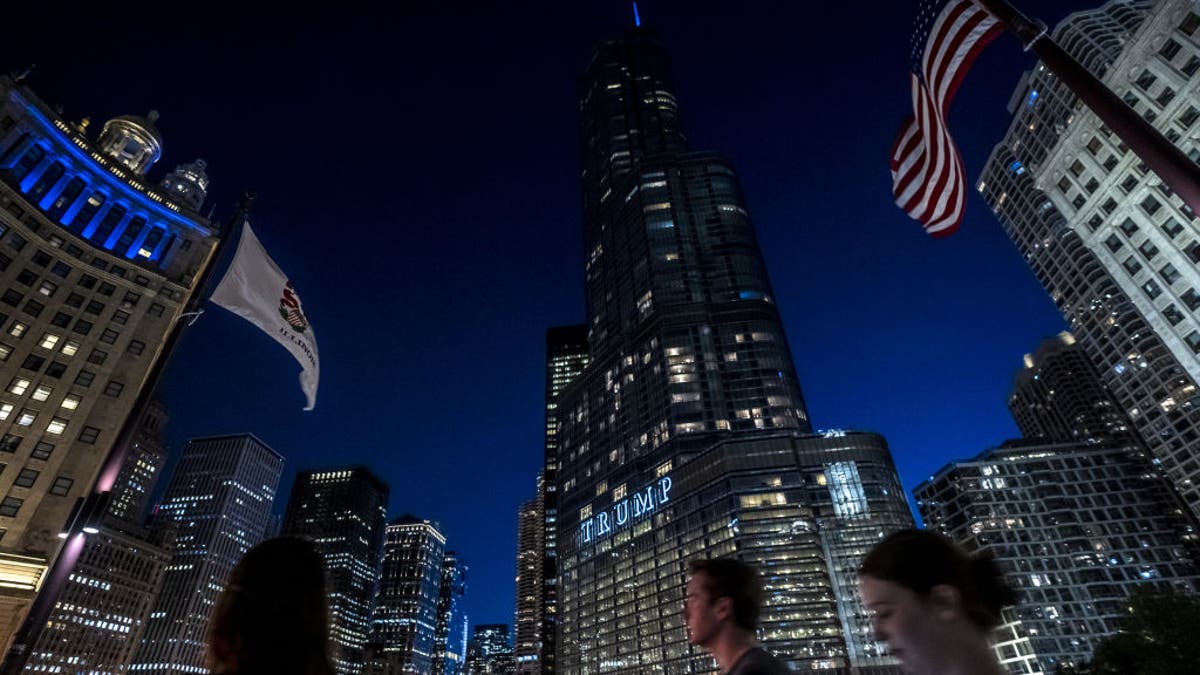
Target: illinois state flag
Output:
[(256, 289)]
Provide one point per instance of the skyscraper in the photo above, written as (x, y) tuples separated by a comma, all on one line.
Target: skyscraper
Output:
[(530, 553), (406, 605), (566, 357), (1114, 247), (96, 265), (687, 435), (1058, 395), (450, 634), (490, 652), (143, 462), (98, 620), (219, 500), (343, 512), (1074, 527)]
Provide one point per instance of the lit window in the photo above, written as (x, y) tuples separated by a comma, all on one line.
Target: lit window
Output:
[(70, 348), (41, 393), (18, 329), (49, 340), (70, 402), (47, 288), (18, 386), (57, 425), (5, 410), (26, 417)]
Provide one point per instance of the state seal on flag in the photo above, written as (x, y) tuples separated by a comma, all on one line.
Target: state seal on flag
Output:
[(290, 309)]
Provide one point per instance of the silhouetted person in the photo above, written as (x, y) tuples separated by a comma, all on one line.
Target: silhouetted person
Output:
[(934, 605), (272, 617), (721, 610)]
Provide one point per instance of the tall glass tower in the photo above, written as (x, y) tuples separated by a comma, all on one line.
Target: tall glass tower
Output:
[(404, 628), (343, 512), (566, 357), (686, 435), (450, 634)]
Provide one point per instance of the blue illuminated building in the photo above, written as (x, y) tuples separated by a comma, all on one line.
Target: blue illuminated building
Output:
[(96, 265), (450, 635), (404, 629)]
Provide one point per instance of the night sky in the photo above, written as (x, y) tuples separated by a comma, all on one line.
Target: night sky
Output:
[(417, 173)]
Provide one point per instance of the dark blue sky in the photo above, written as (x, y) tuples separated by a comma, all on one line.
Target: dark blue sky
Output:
[(417, 172)]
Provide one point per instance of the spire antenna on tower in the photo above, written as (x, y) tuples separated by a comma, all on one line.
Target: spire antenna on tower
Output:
[(637, 19)]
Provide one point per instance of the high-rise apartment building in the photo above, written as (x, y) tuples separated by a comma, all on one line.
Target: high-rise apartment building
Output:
[(527, 626), (490, 652), (450, 634), (97, 622), (1058, 395), (686, 435), (96, 265), (1114, 247), (219, 502), (1075, 527), (566, 357), (406, 605), (343, 512)]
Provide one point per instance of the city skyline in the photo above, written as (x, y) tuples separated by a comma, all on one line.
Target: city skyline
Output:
[(436, 340)]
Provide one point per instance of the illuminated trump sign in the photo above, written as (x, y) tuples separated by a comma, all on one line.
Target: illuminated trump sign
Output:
[(625, 511)]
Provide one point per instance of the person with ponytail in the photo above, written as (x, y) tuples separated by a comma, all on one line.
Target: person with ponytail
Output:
[(933, 605)]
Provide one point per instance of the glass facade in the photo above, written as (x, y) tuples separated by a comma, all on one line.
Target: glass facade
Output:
[(686, 435), (343, 512), (406, 606), (450, 635), (566, 357)]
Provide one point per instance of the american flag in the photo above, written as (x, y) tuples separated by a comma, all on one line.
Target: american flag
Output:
[(928, 181)]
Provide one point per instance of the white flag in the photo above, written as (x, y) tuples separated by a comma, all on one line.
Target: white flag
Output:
[(256, 289)]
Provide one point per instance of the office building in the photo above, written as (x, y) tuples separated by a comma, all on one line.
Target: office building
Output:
[(219, 501), (527, 626), (1058, 395), (406, 605), (1114, 247), (144, 460), (343, 512), (96, 265), (97, 622), (566, 357), (490, 652), (450, 634), (686, 435), (1075, 527)]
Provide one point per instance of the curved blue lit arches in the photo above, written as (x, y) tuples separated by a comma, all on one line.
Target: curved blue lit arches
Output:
[(71, 186)]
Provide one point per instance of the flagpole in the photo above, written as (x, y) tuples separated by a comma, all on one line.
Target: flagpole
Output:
[(1167, 161), (90, 510)]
